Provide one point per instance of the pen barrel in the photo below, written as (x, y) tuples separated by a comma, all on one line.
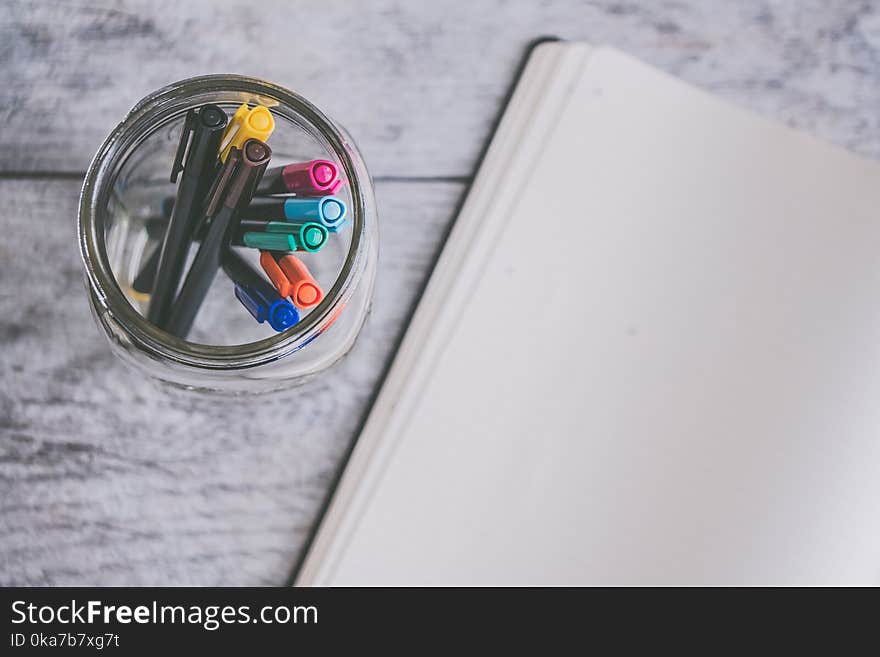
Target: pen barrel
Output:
[(282, 236), (201, 162), (329, 211), (234, 185), (259, 226), (238, 269), (264, 209), (200, 276), (143, 282)]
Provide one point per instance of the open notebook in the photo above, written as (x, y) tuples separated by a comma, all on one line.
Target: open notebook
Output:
[(649, 354)]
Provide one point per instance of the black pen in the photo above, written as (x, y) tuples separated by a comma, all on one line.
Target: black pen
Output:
[(143, 282), (200, 145), (233, 188)]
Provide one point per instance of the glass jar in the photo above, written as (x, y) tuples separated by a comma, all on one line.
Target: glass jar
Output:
[(122, 199)]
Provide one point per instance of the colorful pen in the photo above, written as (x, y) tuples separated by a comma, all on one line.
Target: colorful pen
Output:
[(257, 294), (292, 279), (329, 211), (246, 123), (280, 236), (198, 145), (232, 190), (315, 178)]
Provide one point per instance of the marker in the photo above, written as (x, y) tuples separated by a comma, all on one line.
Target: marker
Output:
[(246, 123), (232, 190), (292, 279), (315, 178), (199, 144), (267, 241), (329, 211), (292, 227), (281, 236), (142, 284), (257, 295), (168, 206)]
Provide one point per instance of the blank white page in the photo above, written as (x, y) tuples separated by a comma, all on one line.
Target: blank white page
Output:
[(666, 369)]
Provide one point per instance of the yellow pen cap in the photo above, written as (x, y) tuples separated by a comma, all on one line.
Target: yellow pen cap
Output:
[(246, 123)]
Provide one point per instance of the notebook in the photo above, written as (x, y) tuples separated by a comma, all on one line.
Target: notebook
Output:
[(648, 354)]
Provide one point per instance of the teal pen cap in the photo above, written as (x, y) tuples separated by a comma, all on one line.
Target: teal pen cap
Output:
[(329, 211), (308, 236), (287, 237), (267, 241)]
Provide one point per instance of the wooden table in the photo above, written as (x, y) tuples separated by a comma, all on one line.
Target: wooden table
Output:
[(106, 478)]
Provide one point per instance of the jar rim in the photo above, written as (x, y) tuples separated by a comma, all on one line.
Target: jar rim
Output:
[(107, 297)]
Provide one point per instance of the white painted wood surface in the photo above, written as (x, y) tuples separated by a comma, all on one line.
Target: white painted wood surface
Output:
[(107, 479), (417, 83)]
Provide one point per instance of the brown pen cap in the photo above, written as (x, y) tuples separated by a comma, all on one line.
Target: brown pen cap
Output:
[(240, 175)]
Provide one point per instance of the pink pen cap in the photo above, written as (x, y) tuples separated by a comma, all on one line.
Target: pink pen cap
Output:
[(315, 178)]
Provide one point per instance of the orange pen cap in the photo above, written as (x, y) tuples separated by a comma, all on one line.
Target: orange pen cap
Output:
[(292, 278), (305, 291), (273, 271)]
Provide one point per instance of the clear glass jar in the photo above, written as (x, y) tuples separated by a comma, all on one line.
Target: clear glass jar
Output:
[(121, 201)]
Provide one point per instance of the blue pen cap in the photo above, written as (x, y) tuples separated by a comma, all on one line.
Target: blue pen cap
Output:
[(282, 315), (265, 304), (329, 211)]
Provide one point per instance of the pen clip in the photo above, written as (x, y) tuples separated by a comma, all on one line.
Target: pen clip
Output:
[(221, 182), (246, 123), (188, 129), (253, 158)]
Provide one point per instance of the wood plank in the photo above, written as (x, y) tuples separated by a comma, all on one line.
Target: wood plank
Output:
[(417, 84), (106, 478)]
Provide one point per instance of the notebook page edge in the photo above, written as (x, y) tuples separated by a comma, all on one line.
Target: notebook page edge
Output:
[(506, 143)]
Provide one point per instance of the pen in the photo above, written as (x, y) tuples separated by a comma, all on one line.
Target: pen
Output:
[(199, 144), (232, 189), (142, 284), (291, 278), (315, 178), (156, 227), (329, 211), (296, 237), (246, 123), (257, 294), (312, 240)]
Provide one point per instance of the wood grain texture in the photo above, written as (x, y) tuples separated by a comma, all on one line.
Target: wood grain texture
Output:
[(418, 84), (107, 479)]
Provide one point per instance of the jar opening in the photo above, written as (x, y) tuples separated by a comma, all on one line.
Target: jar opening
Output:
[(124, 186)]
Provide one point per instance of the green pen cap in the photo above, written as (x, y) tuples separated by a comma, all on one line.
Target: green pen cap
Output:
[(308, 236), (266, 241), (287, 236)]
